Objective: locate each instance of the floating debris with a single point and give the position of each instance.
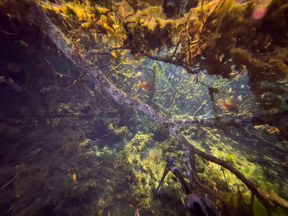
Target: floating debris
(74, 178)
(145, 86)
(273, 130)
(23, 43)
(240, 98)
(227, 105)
(138, 75)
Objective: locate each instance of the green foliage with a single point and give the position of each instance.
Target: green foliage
(146, 158)
(118, 131)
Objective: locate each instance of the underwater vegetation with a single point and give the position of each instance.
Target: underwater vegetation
(96, 95)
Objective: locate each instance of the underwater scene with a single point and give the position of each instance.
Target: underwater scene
(143, 107)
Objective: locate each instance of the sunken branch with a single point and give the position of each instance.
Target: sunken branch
(266, 197)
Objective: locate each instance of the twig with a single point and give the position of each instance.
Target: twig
(176, 48)
(174, 99)
(199, 108)
(9, 182)
(53, 68)
(7, 33)
(171, 61)
(82, 75)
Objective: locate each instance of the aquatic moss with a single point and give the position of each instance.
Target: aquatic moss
(118, 131)
(145, 156)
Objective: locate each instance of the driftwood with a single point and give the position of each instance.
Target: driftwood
(62, 43)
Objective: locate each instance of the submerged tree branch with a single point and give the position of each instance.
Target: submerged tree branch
(62, 43)
(266, 197)
(270, 119)
(60, 40)
(171, 61)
